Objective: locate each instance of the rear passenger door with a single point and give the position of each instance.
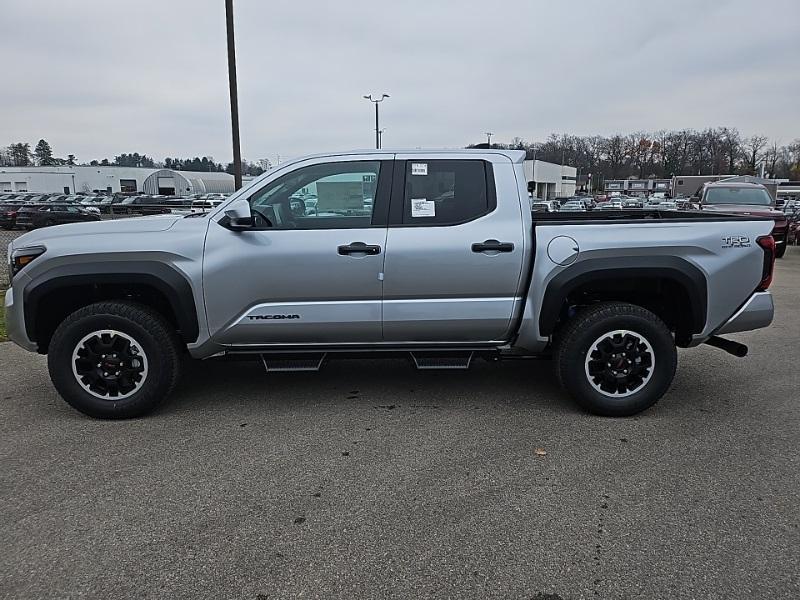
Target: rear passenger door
(454, 255)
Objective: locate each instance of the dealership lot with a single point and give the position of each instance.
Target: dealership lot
(374, 480)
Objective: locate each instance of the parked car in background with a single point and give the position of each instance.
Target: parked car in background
(573, 206)
(201, 206)
(793, 232)
(746, 199)
(633, 203)
(613, 204)
(8, 213)
(33, 216)
(542, 206)
(141, 205)
(668, 205)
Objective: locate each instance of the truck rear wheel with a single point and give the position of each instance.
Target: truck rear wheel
(616, 359)
(114, 360)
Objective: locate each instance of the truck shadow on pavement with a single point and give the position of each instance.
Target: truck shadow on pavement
(384, 384)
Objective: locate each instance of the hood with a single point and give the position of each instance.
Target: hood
(129, 225)
(757, 210)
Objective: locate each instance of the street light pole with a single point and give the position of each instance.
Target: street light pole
(377, 101)
(489, 135)
(237, 152)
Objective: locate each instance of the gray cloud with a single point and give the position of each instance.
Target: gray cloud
(98, 78)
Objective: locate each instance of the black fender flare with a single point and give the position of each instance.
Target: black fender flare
(163, 277)
(672, 268)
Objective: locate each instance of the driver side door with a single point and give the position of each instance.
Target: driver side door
(310, 272)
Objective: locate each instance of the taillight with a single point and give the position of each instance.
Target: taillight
(767, 243)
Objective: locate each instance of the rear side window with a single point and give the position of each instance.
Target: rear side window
(445, 192)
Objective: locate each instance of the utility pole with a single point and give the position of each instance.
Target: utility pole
(237, 152)
(489, 135)
(377, 101)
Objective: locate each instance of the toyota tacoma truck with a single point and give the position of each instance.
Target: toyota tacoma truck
(434, 255)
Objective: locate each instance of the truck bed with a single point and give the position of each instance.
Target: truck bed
(598, 217)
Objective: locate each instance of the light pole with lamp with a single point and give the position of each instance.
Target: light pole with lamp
(377, 101)
(489, 135)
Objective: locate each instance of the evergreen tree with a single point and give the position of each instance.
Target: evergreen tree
(20, 154)
(43, 153)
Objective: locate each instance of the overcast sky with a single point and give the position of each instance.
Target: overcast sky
(97, 78)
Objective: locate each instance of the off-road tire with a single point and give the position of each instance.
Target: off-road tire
(579, 334)
(153, 334)
(780, 250)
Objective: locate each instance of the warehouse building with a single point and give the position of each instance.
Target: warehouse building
(72, 180)
(549, 180)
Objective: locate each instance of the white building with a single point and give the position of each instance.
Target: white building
(548, 180)
(70, 180)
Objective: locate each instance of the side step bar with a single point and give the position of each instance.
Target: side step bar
(425, 361)
(275, 363)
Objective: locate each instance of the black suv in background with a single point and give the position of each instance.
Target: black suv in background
(33, 216)
(142, 205)
(8, 213)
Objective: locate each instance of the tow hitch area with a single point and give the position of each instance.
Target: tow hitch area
(729, 346)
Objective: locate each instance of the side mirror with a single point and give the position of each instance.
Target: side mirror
(236, 223)
(237, 216)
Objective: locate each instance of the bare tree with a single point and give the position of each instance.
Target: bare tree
(753, 147)
(771, 157)
(731, 148)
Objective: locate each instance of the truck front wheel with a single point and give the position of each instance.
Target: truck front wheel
(114, 360)
(616, 359)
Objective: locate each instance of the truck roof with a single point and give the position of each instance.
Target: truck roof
(735, 184)
(515, 156)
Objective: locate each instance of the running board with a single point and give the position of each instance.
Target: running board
(298, 362)
(425, 361)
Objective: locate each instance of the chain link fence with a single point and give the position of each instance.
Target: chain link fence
(5, 239)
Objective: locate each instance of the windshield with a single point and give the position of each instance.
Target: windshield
(735, 195)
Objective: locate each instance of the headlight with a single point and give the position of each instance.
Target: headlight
(21, 257)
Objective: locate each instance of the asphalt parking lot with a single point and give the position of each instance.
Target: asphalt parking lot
(371, 480)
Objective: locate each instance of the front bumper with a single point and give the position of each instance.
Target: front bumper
(756, 313)
(15, 322)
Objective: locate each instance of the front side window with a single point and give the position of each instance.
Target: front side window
(339, 195)
(445, 192)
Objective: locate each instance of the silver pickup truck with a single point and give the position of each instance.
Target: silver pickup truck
(435, 255)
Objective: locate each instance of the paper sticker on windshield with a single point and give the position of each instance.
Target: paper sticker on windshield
(419, 168)
(422, 207)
